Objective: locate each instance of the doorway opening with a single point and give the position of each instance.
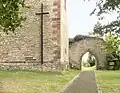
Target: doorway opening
(88, 61)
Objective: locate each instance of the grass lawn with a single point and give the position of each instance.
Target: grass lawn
(109, 81)
(34, 81)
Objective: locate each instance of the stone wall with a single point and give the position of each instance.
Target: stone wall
(64, 34)
(30, 66)
(25, 46)
(79, 46)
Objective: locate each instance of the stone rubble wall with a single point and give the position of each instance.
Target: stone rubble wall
(89, 44)
(30, 66)
(25, 45)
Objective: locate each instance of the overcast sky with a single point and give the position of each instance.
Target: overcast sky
(79, 20)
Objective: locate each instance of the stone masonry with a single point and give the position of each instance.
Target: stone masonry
(22, 51)
(82, 44)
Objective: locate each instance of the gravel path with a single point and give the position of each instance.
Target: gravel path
(85, 82)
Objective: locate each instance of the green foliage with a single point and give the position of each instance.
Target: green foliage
(107, 7)
(91, 60)
(112, 44)
(10, 17)
(86, 64)
(98, 30)
(101, 30)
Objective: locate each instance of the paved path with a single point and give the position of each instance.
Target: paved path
(85, 82)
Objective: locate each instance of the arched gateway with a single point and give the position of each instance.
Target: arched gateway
(82, 44)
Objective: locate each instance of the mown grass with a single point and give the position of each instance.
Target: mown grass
(34, 81)
(51, 82)
(109, 81)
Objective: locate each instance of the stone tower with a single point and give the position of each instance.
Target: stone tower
(23, 50)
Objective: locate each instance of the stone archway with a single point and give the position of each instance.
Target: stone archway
(83, 60)
(82, 44)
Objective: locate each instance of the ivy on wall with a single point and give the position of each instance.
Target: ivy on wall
(10, 15)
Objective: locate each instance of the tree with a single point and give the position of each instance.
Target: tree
(91, 59)
(112, 46)
(107, 7)
(10, 17)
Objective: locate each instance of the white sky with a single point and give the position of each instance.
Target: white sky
(79, 20)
